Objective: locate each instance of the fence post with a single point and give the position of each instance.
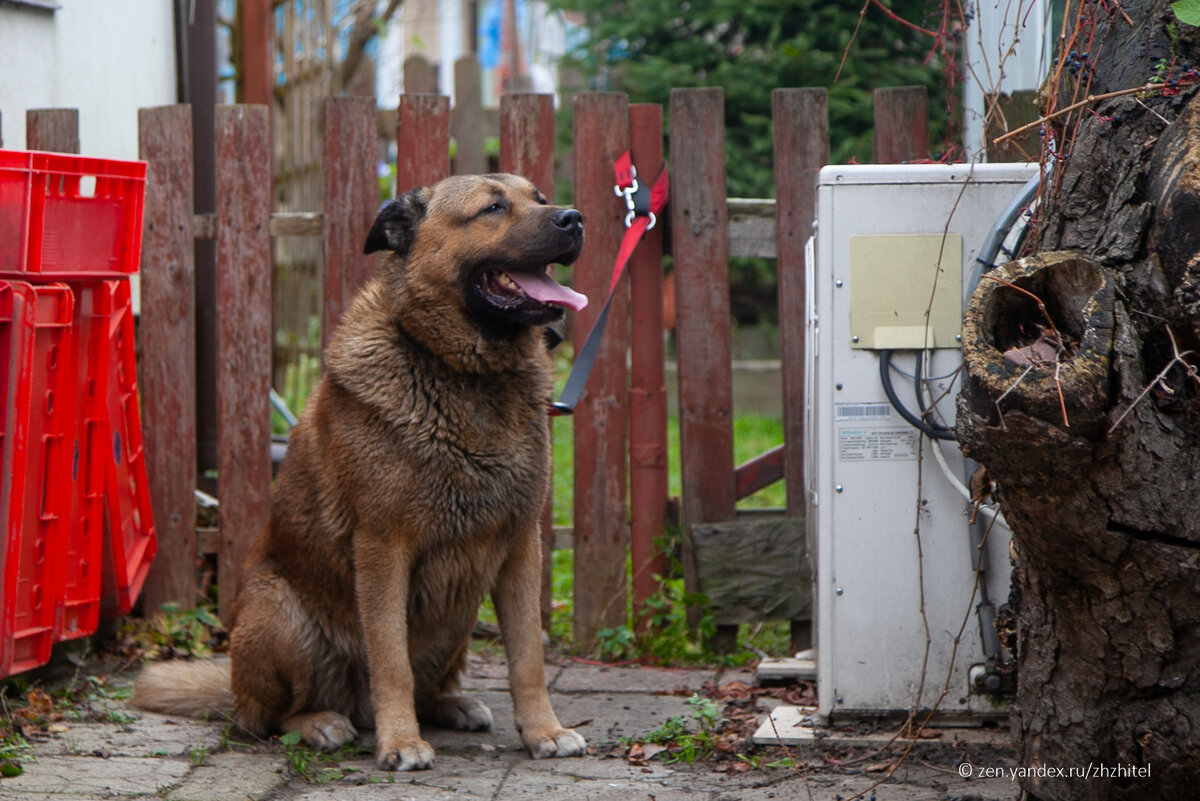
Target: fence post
(422, 141)
(244, 335)
(418, 76)
(527, 148)
(601, 136)
(466, 119)
(801, 121)
(168, 357)
(351, 200)
(901, 124)
(647, 392)
(55, 129)
(699, 234)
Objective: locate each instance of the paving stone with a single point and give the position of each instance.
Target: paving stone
(593, 678)
(144, 735)
(231, 776)
(72, 776)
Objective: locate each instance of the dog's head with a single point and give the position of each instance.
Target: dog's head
(477, 249)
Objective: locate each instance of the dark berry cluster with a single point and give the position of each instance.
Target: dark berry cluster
(1076, 63)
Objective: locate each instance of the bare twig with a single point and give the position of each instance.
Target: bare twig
(1149, 87)
(1004, 395)
(1178, 357)
(846, 53)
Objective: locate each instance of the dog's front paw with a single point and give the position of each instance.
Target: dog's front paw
(558, 742)
(413, 754)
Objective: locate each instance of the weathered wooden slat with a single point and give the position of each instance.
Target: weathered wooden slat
(1017, 110)
(901, 124)
(244, 335)
(751, 228)
(699, 229)
(801, 123)
(527, 148)
(601, 533)
(527, 138)
(168, 352)
(761, 471)
(466, 118)
(256, 26)
(754, 569)
(351, 200)
(418, 76)
(54, 129)
(422, 141)
(751, 225)
(647, 391)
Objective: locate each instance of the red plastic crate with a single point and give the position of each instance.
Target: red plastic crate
(38, 509)
(132, 538)
(69, 217)
(94, 306)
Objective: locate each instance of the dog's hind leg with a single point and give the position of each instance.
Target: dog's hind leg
(448, 708)
(279, 683)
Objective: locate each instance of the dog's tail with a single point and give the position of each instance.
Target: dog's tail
(193, 689)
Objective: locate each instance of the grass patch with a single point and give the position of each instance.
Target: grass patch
(753, 435)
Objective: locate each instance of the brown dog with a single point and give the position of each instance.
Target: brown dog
(412, 487)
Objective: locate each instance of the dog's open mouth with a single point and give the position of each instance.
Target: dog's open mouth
(512, 289)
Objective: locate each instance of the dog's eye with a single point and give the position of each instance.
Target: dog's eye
(496, 207)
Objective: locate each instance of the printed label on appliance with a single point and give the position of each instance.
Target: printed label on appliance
(877, 444)
(862, 411)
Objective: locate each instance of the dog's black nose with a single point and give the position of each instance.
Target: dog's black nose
(568, 220)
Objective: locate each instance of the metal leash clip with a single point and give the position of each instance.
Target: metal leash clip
(637, 201)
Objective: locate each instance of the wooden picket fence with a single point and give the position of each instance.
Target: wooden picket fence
(620, 425)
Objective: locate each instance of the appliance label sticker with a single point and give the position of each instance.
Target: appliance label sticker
(877, 444)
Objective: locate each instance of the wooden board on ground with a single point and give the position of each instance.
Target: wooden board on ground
(754, 569)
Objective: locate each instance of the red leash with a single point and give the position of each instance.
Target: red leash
(643, 205)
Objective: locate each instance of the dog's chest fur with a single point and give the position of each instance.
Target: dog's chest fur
(469, 450)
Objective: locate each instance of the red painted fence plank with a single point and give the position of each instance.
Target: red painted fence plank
(901, 124)
(244, 334)
(422, 141)
(601, 536)
(699, 231)
(351, 201)
(648, 392)
(527, 148)
(55, 129)
(527, 138)
(168, 353)
(801, 121)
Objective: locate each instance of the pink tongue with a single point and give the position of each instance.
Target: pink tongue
(542, 287)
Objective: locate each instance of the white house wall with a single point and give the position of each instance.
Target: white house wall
(107, 58)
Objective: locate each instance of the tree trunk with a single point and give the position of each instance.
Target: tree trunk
(1095, 444)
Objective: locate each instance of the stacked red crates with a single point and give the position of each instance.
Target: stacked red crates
(75, 520)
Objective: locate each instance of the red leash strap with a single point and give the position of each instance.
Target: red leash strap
(643, 206)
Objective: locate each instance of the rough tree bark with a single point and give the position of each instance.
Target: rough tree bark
(1105, 505)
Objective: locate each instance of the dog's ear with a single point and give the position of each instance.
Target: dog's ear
(396, 225)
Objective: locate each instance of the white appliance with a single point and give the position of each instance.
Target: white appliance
(892, 242)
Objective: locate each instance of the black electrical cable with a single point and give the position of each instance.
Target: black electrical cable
(885, 378)
(918, 380)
